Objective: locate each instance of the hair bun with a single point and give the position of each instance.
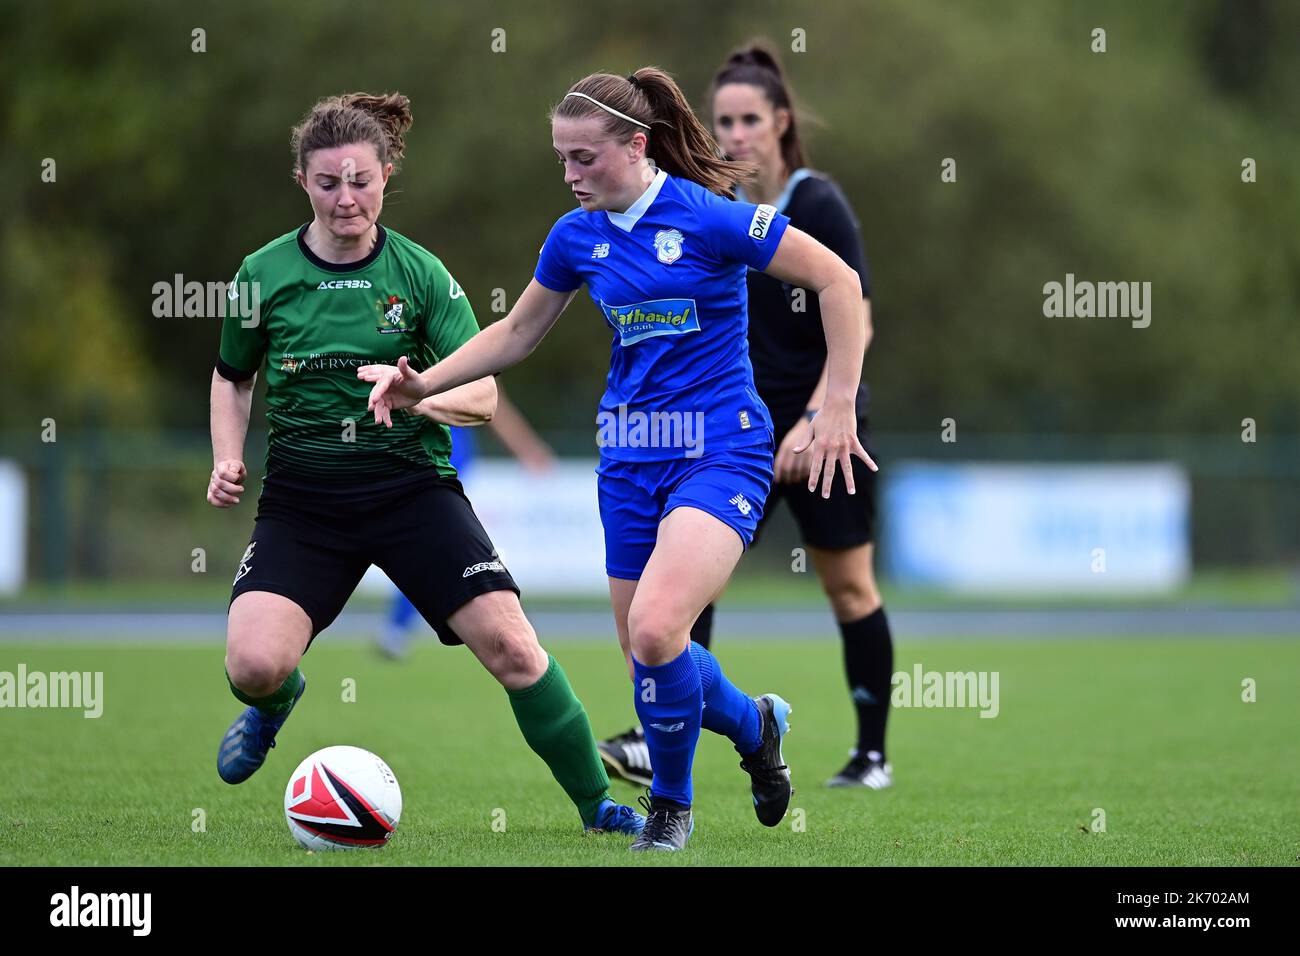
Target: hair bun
(756, 54)
(392, 110)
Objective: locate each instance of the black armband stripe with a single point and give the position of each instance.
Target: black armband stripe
(232, 374)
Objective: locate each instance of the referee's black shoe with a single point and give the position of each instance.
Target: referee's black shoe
(627, 757)
(769, 776)
(867, 770)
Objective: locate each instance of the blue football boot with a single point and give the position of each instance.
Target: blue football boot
(616, 818)
(244, 747)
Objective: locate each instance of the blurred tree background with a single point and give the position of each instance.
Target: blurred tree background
(1122, 166)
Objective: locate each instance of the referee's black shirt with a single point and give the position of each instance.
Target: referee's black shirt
(787, 347)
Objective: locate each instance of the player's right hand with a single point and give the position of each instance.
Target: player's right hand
(395, 388)
(227, 483)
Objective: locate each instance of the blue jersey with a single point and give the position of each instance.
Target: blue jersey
(462, 448)
(668, 274)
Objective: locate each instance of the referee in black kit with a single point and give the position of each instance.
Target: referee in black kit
(754, 121)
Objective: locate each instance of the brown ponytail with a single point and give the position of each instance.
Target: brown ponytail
(756, 63)
(678, 142)
(352, 118)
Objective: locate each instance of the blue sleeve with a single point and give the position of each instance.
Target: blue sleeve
(553, 268)
(744, 232)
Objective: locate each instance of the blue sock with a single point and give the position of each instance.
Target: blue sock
(668, 702)
(400, 612)
(727, 710)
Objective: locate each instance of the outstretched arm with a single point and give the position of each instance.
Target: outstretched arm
(472, 404)
(492, 350)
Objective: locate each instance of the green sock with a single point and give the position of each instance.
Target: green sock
(277, 703)
(555, 725)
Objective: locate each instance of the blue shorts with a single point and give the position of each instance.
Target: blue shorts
(635, 496)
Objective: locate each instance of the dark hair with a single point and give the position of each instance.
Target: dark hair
(351, 118)
(677, 141)
(756, 63)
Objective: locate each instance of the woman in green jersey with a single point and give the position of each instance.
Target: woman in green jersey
(342, 492)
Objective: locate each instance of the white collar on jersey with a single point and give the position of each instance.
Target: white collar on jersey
(629, 217)
(783, 200)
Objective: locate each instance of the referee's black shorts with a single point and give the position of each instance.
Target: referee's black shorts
(314, 549)
(839, 522)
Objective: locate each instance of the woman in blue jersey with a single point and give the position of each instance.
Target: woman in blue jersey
(755, 121)
(686, 444)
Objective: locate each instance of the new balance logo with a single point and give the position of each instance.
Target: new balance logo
(600, 250)
(741, 504)
(669, 728)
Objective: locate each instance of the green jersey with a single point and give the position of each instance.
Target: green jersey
(315, 323)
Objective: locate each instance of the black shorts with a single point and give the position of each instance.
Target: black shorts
(314, 549)
(839, 522)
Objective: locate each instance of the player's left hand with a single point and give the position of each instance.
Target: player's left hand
(834, 439)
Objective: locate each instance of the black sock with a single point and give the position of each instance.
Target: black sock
(702, 629)
(869, 665)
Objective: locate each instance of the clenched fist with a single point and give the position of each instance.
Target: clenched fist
(227, 483)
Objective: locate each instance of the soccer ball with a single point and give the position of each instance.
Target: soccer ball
(342, 798)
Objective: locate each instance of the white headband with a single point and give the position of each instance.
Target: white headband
(608, 109)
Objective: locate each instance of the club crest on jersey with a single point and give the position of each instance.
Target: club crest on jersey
(668, 245)
(394, 315)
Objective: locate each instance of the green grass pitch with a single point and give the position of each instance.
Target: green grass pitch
(1152, 731)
